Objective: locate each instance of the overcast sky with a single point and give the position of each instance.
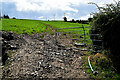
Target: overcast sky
(48, 9)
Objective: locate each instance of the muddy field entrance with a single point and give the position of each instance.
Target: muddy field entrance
(44, 55)
(38, 56)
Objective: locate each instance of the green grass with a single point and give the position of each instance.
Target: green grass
(22, 26)
(102, 65)
(62, 24)
(36, 26)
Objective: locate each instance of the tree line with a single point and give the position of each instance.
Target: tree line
(78, 21)
(7, 17)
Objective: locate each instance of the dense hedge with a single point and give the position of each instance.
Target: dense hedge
(107, 23)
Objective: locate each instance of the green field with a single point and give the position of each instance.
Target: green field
(22, 26)
(61, 24)
(37, 26)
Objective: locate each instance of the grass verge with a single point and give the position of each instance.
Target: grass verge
(102, 65)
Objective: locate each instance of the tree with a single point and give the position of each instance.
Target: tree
(77, 21)
(89, 19)
(6, 16)
(73, 20)
(65, 19)
(14, 18)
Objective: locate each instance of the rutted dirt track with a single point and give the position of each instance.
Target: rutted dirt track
(40, 57)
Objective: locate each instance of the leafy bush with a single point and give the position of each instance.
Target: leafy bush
(65, 19)
(107, 23)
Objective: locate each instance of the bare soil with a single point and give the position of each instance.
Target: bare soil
(34, 56)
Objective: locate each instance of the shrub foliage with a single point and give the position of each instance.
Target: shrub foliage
(107, 23)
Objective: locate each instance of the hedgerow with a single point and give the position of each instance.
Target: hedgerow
(107, 23)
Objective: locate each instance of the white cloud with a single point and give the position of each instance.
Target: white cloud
(44, 5)
(47, 5)
(85, 17)
(46, 8)
(41, 17)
